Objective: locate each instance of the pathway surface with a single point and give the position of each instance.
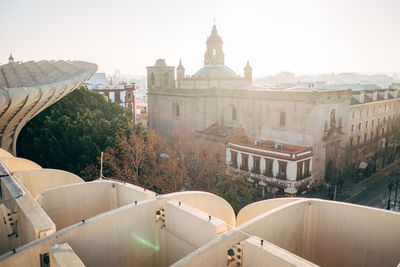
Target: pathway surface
(372, 192)
(375, 191)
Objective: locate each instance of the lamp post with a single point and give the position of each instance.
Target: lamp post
(390, 187)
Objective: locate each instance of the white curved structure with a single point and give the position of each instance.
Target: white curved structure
(28, 88)
(58, 218)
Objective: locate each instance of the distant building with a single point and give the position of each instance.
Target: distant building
(97, 80)
(122, 94)
(216, 103)
(274, 165)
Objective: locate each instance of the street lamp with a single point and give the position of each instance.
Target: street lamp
(390, 187)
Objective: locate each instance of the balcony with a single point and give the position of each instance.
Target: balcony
(270, 179)
(244, 168)
(256, 171)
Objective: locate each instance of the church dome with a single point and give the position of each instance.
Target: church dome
(215, 71)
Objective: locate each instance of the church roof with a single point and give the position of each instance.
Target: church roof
(214, 34)
(217, 71)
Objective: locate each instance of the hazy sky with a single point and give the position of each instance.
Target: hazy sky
(301, 36)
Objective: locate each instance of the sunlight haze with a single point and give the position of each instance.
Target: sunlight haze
(304, 37)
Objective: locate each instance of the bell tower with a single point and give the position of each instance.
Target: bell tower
(214, 54)
(160, 76)
(11, 59)
(180, 73)
(248, 72)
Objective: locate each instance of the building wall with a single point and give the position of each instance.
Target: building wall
(371, 113)
(291, 169)
(257, 112)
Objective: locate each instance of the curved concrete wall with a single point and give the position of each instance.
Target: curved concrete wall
(5, 154)
(72, 203)
(36, 181)
(208, 203)
(255, 209)
(28, 88)
(323, 232)
(16, 164)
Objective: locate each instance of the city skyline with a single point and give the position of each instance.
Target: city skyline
(303, 37)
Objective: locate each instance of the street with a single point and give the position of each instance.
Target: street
(376, 192)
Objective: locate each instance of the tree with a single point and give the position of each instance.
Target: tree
(177, 163)
(70, 134)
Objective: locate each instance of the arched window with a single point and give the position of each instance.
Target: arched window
(152, 79)
(166, 79)
(282, 119)
(332, 121)
(175, 110)
(233, 113)
(129, 96)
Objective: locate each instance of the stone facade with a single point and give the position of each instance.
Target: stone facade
(216, 98)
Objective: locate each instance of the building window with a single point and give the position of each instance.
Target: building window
(351, 141)
(383, 131)
(372, 123)
(368, 112)
(379, 121)
(282, 119)
(365, 138)
(152, 79)
(234, 158)
(307, 168)
(268, 167)
(359, 126)
(384, 119)
(372, 135)
(245, 162)
(129, 96)
(358, 140)
(299, 170)
(256, 164)
(282, 169)
(233, 113)
(175, 110)
(166, 79)
(117, 97)
(333, 118)
(352, 128)
(366, 124)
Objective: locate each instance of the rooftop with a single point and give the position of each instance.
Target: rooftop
(110, 223)
(216, 71)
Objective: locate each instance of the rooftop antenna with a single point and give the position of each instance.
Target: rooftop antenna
(214, 20)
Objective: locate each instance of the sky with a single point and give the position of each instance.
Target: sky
(300, 36)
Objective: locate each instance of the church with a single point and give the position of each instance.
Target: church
(282, 139)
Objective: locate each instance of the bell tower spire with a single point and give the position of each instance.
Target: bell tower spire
(11, 59)
(214, 54)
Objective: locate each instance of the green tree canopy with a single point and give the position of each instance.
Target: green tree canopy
(70, 134)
